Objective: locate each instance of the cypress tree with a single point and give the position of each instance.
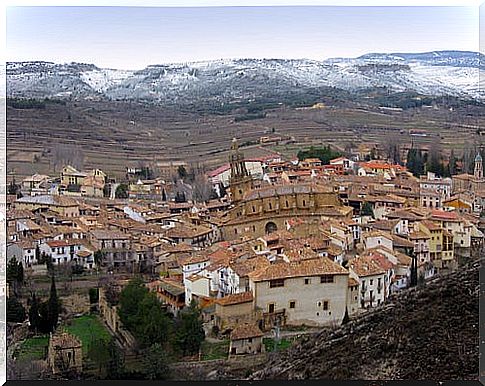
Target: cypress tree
(53, 306)
(34, 316)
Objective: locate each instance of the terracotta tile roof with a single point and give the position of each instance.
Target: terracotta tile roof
(197, 258)
(63, 243)
(243, 297)
(243, 268)
(219, 170)
(444, 215)
(398, 241)
(245, 331)
(102, 234)
(187, 231)
(313, 267)
(386, 225)
(364, 266)
(418, 235)
(431, 225)
(380, 259)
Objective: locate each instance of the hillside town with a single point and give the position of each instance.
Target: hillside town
(257, 246)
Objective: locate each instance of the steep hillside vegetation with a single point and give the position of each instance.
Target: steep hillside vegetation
(427, 333)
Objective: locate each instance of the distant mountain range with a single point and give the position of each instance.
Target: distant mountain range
(438, 73)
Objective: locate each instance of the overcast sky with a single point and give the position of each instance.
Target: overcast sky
(132, 38)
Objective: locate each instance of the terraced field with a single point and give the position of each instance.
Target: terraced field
(113, 135)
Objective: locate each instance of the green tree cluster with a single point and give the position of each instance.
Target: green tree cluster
(367, 209)
(121, 191)
(324, 154)
(15, 310)
(15, 275)
(156, 330)
(415, 162)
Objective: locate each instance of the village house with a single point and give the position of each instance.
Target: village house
(197, 236)
(346, 163)
(373, 281)
(442, 186)
(115, 246)
(376, 239)
(421, 245)
(171, 293)
(246, 339)
(23, 251)
(196, 287)
(67, 252)
(232, 310)
(36, 185)
(64, 206)
(311, 292)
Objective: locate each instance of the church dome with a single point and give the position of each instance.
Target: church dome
(478, 158)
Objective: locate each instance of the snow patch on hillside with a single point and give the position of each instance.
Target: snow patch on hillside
(101, 80)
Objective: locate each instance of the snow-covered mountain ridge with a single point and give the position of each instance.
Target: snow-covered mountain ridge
(454, 73)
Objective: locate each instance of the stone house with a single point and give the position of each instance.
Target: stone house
(64, 206)
(246, 339)
(234, 309)
(65, 353)
(116, 247)
(311, 292)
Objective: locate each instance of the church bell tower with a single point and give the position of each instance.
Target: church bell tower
(478, 172)
(240, 181)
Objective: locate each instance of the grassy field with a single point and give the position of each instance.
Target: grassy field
(88, 328)
(269, 344)
(212, 350)
(33, 348)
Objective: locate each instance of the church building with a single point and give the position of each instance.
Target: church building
(263, 210)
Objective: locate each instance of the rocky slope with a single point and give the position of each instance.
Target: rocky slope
(429, 333)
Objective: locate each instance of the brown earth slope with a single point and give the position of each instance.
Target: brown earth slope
(428, 333)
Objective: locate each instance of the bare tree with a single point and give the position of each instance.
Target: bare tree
(391, 148)
(62, 154)
(202, 188)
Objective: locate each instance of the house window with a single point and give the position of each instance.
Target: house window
(250, 340)
(325, 305)
(270, 206)
(326, 279)
(271, 307)
(292, 304)
(276, 283)
(371, 281)
(307, 281)
(319, 304)
(254, 209)
(304, 203)
(287, 205)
